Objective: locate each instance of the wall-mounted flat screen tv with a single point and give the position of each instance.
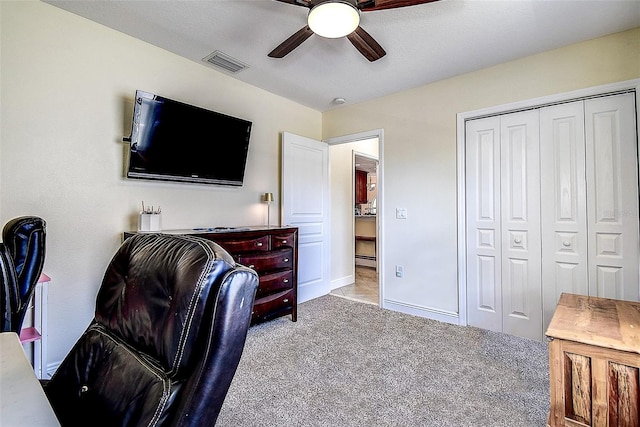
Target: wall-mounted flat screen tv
(174, 141)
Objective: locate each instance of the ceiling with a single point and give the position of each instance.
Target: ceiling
(424, 43)
(366, 163)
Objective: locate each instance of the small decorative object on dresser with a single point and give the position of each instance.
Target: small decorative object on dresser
(594, 358)
(268, 199)
(272, 252)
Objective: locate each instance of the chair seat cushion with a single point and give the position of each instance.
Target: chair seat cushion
(129, 391)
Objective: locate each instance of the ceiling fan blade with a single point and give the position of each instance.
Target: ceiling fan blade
(369, 5)
(291, 43)
(305, 3)
(366, 45)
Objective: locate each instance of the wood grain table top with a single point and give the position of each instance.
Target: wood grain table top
(602, 322)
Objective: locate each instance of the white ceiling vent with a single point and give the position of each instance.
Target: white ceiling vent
(225, 62)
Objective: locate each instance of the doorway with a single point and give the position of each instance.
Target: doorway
(365, 286)
(356, 227)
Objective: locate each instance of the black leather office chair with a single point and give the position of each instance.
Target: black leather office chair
(22, 253)
(170, 324)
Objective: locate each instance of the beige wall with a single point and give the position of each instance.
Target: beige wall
(67, 88)
(419, 157)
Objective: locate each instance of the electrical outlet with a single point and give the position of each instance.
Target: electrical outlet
(399, 271)
(401, 213)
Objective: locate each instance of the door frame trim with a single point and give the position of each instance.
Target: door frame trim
(461, 119)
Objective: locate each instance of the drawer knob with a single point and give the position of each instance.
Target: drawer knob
(566, 243)
(284, 241)
(285, 300)
(286, 280)
(286, 260)
(259, 244)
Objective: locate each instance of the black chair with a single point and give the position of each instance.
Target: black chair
(22, 253)
(170, 324)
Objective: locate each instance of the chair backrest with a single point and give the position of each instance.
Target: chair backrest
(170, 324)
(21, 261)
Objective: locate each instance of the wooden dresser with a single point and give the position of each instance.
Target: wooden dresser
(594, 362)
(272, 253)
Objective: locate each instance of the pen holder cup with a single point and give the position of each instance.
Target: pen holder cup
(149, 222)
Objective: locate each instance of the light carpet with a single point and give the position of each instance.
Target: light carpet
(345, 363)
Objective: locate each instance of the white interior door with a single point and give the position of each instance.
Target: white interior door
(520, 228)
(305, 205)
(503, 224)
(612, 204)
(563, 204)
(484, 245)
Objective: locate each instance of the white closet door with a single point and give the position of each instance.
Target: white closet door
(484, 291)
(563, 204)
(612, 202)
(520, 228)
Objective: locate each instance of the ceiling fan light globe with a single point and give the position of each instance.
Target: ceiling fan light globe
(333, 19)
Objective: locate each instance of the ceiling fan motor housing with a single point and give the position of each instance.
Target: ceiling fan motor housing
(334, 18)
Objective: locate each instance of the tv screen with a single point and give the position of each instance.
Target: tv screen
(174, 141)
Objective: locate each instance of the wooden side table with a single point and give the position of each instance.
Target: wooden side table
(594, 362)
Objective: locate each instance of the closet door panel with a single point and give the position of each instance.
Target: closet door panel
(484, 292)
(562, 204)
(520, 228)
(612, 182)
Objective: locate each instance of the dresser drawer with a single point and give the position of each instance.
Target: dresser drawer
(273, 305)
(283, 240)
(263, 262)
(274, 282)
(245, 245)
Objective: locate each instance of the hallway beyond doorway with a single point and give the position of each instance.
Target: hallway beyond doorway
(365, 289)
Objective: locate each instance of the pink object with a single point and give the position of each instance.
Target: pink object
(29, 335)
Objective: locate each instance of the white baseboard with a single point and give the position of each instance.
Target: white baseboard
(343, 281)
(427, 312)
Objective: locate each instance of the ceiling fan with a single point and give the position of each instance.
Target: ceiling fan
(339, 18)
